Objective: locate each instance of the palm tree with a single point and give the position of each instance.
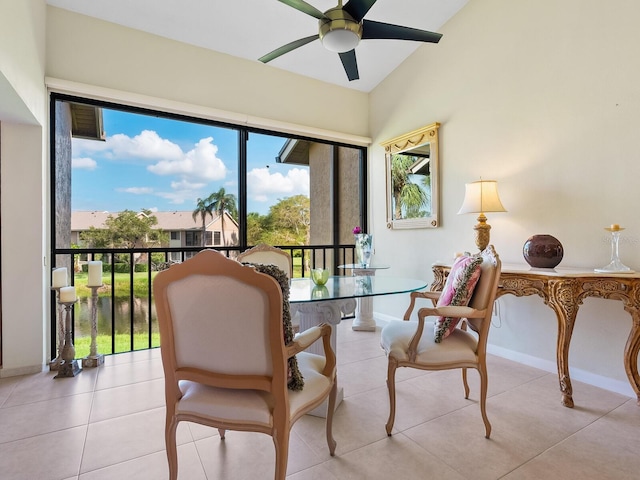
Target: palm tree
(203, 208)
(406, 194)
(220, 203)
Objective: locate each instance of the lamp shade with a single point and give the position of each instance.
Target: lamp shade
(480, 197)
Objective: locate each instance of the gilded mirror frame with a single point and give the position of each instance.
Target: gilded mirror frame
(420, 140)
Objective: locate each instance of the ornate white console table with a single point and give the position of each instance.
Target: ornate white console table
(563, 289)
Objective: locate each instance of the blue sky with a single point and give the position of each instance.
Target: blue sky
(165, 165)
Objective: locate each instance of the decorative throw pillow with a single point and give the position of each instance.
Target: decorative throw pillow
(295, 381)
(457, 291)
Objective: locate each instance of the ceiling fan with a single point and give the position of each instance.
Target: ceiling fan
(342, 28)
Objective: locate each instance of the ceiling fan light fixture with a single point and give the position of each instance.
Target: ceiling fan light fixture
(340, 41)
(338, 31)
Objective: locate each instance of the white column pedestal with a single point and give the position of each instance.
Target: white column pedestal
(314, 313)
(363, 321)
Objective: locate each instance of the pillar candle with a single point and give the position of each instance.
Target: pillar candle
(67, 294)
(95, 274)
(59, 277)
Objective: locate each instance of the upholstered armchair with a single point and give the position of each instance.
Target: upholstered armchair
(264, 254)
(446, 343)
(225, 360)
(268, 255)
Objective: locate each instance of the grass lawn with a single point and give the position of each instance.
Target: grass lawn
(103, 343)
(121, 281)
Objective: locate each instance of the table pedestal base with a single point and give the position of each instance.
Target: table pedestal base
(315, 313)
(363, 321)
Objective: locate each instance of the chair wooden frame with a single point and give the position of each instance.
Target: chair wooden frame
(279, 411)
(477, 316)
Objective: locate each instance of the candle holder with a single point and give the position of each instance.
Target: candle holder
(55, 363)
(615, 266)
(69, 366)
(93, 359)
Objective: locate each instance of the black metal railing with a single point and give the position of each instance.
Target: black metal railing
(125, 312)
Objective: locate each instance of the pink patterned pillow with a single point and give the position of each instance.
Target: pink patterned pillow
(457, 291)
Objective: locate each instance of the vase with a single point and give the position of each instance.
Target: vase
(319, 276)
(364, 244)
(543, 251)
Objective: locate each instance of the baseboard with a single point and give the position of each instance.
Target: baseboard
(14, 372)
(579, 375)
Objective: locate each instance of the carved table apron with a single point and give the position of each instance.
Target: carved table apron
(564, 289)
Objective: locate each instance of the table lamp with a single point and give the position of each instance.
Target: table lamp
(480, 197)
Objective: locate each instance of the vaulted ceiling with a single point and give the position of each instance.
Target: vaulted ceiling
(252, 28)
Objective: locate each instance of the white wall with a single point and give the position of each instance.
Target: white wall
(22, 61)
(23, 175)
(543, 97)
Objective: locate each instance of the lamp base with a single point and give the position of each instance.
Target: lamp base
(482, 229)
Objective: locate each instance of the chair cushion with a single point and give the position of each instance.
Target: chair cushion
(295, 378)
(457, 291)
(396, 336)
(252, 406)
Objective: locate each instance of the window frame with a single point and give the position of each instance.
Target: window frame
(243, 137)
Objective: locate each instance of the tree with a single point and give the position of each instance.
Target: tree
(407, 196)
(222, 202)
(203, 208)
(128, 229)
(256, 224)
(289, 220)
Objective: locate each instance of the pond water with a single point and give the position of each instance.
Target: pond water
(122, 316)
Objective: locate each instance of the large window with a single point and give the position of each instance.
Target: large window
(204, 182)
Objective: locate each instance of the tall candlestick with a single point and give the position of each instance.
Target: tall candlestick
(69, 366)
(94, 359)
(55, 363)
(95, 274)
(67, 294)
(59, 277)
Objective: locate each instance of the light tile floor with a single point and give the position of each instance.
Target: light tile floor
(108, 423)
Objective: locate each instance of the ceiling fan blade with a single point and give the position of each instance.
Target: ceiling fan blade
(350, 65)
(304, 7)
(358, 8)
(287, 48)
(378, 30)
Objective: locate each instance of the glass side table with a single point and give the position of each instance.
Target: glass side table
(363, 321)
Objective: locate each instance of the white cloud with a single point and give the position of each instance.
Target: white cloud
(178, 196)
(84, 163)
(147, 146)
(192, 170)
(186, 185)
(261, 183)
(83, 146)
(136, 190)
(183, 191)
(200, 163)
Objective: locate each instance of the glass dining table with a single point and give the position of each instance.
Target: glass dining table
(338, 297)
(328, 303)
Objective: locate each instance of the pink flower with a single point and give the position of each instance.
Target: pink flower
(357, 230)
